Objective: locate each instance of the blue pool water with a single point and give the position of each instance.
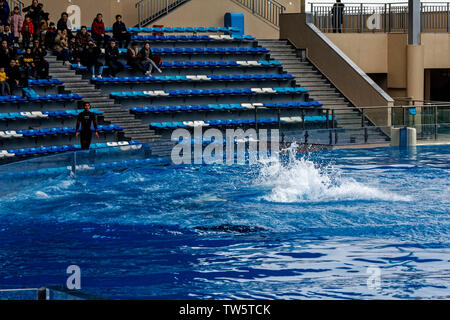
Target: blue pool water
(321, 226)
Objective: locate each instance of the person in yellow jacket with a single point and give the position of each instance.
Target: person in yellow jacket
(5, 90)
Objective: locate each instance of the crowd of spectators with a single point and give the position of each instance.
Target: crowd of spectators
(26, 38)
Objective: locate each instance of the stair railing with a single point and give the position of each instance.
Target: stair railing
(16, 3)
(269, 10)
(149, 10)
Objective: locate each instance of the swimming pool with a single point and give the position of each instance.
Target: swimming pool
(336, 224)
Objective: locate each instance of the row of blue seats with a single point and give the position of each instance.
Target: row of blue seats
(220, 64)
(42, 98)
(207, 92)
(44, 82)
(204, 64)
(174, 29)
(222, 107)
(234, 122)
(191, 38)
(44, 114)
(257, 50)
(63, 148)
(225, 77)
(210, 50)
(54, 131)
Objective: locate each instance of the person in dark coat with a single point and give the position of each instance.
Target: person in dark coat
(134, 58)
(112, 59)
(14, 75)
(33, 11)
(337, 18)
(27, 63)
(120, 32)
(7, 35)
(85, 121)
(90, 58)
(65, 24)
(4, 12)
(50, 36)
(41, 65)
(6, 54)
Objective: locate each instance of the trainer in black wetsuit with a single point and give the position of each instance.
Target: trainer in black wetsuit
(85, 120)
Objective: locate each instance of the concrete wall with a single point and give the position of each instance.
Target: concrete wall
(208, 13)
(211, 13)
(368, 52)
(386, 53)
(89, 9)
(348, 78)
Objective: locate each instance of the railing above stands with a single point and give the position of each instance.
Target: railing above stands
(378, 17)
(269, 10)
(150, 10)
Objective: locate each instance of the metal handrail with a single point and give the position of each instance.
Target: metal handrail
(380, 17)
(150, 10)
(269, 10)
(16, 3)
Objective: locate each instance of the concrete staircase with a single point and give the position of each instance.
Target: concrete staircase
(320, 88)
(134, 129)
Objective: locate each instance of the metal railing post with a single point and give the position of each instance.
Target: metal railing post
(448, 17)
(332, 118)
(279, 119)
(361, 24)
(435, 123)
(363, 115)
(404, 117)
(167, 6)
(390, 18)
(328, 116)
(256, 119)
(303, 119)
(139, 14)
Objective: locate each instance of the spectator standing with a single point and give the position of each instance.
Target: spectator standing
(41, 65)
(6, 54)
(14, 75)
(50, 36)
(120, 32)
(16, 23)
(62, 46)
(112, 59)
(98, 31)
(4, 12)
(33, 11)
(27, 32)
(337, 18)
(90, 58)
(42, 26)
(5, 90)
(147, 60)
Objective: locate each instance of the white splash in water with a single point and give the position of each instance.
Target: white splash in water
(302, 180)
